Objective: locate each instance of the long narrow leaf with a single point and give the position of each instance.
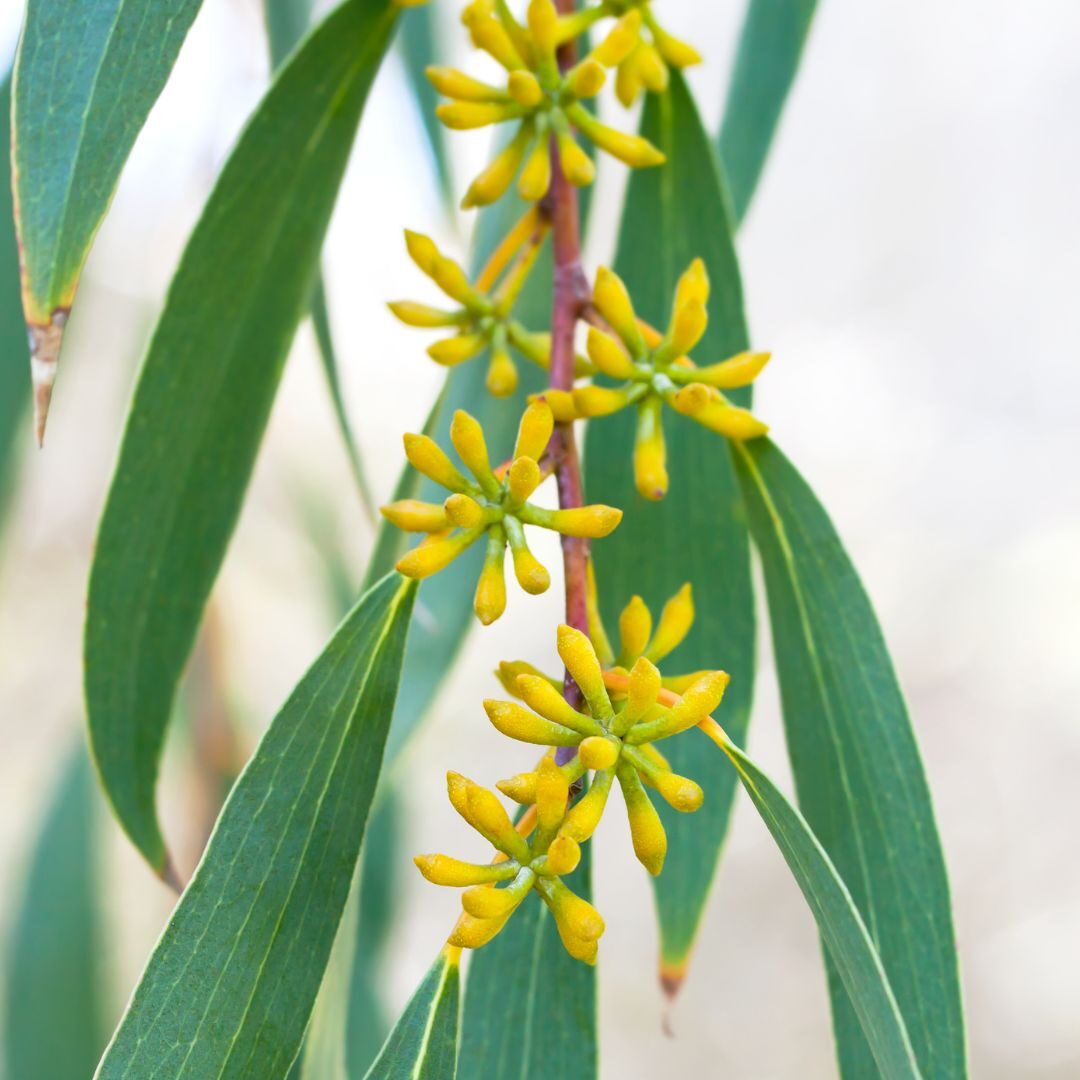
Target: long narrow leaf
(697, 533)
(55, 1006)
(85, 78)
(849, 944)
(204, 395)
(228, 990)
(769, 51)
(857, 770)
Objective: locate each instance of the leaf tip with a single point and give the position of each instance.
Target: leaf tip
(672, 977)
(170, 875)
(45, 341)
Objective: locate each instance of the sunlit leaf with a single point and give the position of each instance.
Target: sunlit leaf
(857, 770)
(698, 532)
(204, 395)
(230, 986)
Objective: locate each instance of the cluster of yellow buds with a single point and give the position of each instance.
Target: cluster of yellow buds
(655, 369)
(625, 714)
(544, 101)
(495, 505)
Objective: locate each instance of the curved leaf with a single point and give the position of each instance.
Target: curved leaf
(842, 929)
(204, 395)
(530, 1008)
(423, 1044)
(55, 1013)
(857, 770)
(85, 78)
(229, 988)
(769, 51)
(698, 532)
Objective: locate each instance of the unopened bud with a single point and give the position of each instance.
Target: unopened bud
(635, 628)
(415, 516)
(593, 522)
(518, 723)
(675, 622)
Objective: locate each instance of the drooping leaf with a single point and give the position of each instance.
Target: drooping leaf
(423, 1044)
(204, 395)
(846, 938)
(530, 1008)
(86, 77)
(54, 1027)
(231, 984)
(770, 48)
(419, 49)
(857, 770)
(698, 532)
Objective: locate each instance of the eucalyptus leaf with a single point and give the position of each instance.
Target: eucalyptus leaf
(204, 396)
(697, 533)
(766, 62)
(858, 774)
(86, 77)
(229, 988)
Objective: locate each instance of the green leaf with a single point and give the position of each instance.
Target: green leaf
(698, 532)
(423, 1044)
(230, 986)
(769, 51)
(857, 770)
(204, 395)
(842, 929)
(530, 1007)
(287, 21)
(419, 49)
(75, 123)
(55, 1005)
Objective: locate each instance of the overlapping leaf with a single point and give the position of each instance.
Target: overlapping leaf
(204, 395)
(423, 1044)
(770, 48)
(697, 533)
(858, 774)
(85, 79)
(229, 988)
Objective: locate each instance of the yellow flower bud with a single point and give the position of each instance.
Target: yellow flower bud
(493, 182)
(693, 285)
(521, 788)
(422, 250)
(502, 376)
(576, 164)
(468, 115)
(468, 438)
(646, 829)
(561, 403)
(487, 815)
(731, 421)
(647, 750)
(609, 356)
(490, 35)
(426, 456)
(534, 431)
(415, 516)
(509, 671)
(597, 401)
(576, 914)
(464, 511)
(543, 698)
(485, 902)
(679, 684)
(687, 327)
(536, 176)
(632, 150)
(651, 68)
(578, 948)
(691, 400)
(594, 522)
(628, 82)
(552, 792)
(650, 451)
(676, 52)
(642, 691)
(456, 350)
(490, 600)
(675, 622)
(741, 370)
(543, 19)
(597, 752)
(518, 723)
(454, 282)
(530, 572)
(421, 315)
(434, 554)
(679, 792)
(613, 302)
(443, 870)
(473, 933)
(579, 656)
(452, 83)
(635, 628)
(620, 41)
(583, 817)
(694, 706)
(525, 89)
(587, 78)
(523, 478)
(563, 856)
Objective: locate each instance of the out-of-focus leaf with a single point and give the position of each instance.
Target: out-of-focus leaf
(857, 770)
(287, 21)
(85, 78)
(530, 1007)
(230, 986)
(55, 1008)
(204, 395)
(854, 957)
(423, 1044)
(769, 51)
(14, 379)
(698, 532)
(420, 49)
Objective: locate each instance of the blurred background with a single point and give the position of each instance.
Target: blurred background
(912, 258)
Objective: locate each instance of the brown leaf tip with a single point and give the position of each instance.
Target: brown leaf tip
(45, 341)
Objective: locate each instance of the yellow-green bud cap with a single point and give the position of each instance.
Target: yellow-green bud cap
(552, 792)
(487, 815)
(675, 51)
(563, 856)
(579, 656)
(651, 68)
(584, 816)
(464, 511)
(415, 516)
(523, 478)
(543, 20)
(536, 176)
(456, 84)
(518, 723)
(456, 350)
(593, 522)
(578, 948)
(502, 376)
(427, 457)
(579, 917)
(649, 750)
(620, 41)
(679, 792)
(468, 115)
(693, 285)
(525, 89)
(422, 251)
(457, 791)
(576, 164)
(646, 829)
(433, 555)
(473, 933)
(691, 400)
(538, 693)
(613, 302)
(587, 79)
(521, 788)
(485, 902)
(643, 689)
(531, 574)
(687, 327)
(444, 870)
(635, 629)
(534, 431)
(490, 600)
(740, 370)
(609, 356)
(675, 622)
(598, 752)
(421, 315)
(597, 401)
(468, 438)
(509, 670)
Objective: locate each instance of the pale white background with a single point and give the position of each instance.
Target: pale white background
(912, 259)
